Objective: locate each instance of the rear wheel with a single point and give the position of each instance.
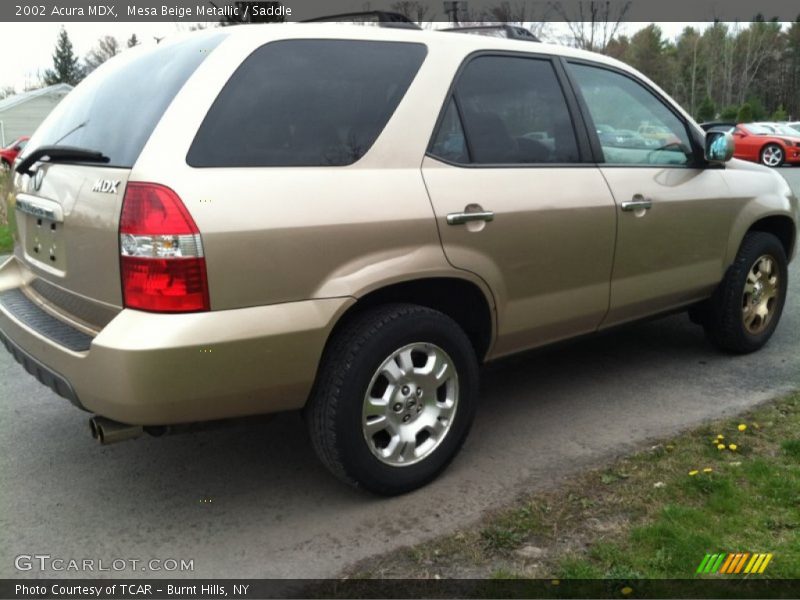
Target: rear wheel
(772, 155)
(394, 399)
(747, 305)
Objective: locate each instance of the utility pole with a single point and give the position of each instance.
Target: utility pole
(452, 8)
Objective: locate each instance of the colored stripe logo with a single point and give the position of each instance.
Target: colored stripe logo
(737, 563)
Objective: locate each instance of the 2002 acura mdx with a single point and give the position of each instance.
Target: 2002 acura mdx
(349, 220)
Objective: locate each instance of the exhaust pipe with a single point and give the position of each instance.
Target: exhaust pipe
(107, 431)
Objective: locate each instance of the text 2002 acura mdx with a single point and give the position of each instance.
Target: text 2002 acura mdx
(349, 220)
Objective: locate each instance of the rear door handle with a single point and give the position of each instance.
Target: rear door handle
(637, 202)
(466, 217)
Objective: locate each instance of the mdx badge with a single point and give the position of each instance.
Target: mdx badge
(107, 186)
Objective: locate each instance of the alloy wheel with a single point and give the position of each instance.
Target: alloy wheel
(760, 294)
(772, 156)
(410, 404)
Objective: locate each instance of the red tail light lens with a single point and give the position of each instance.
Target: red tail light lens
(162, 262)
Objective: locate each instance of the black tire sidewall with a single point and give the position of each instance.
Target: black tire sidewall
(357, 459)
(730, 324)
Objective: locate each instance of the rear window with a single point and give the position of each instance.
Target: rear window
(306, 103)
(115, 109)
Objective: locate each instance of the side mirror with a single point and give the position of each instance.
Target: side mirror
(719, 147)
(17, 148)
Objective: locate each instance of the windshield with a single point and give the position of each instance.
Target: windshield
(112, 112)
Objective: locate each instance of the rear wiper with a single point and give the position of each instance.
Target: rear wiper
(59, 153)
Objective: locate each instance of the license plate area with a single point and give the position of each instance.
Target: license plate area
(43, 241)
(42, 222)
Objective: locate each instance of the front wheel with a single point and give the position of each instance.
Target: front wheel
(772, 155)
(744, 311)
(394, 399)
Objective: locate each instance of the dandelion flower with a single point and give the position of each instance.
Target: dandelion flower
(707, 470)
(720, 436)
(742, 427)
(626, 591)
(732, 447)
(720, 446)
(693, 472)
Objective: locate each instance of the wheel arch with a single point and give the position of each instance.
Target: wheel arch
(465, 301)
(782, 227)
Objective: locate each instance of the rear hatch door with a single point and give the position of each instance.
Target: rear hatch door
(67, 213)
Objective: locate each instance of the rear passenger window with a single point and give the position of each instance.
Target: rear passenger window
(513, 112)
(306, 103)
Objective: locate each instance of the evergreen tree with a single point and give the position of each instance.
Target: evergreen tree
(707, 110)
(66, 68)
(745, 114)
(779, 114)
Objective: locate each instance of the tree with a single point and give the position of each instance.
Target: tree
(651, 54)
(729, 113)
(745, 113)
(757, 108)
(133, 41)
(6, 91)
(594, 24)
(107, 47)
(66, 68)
(707, 110)
(505, 12)
(413, 10)
(780, 114)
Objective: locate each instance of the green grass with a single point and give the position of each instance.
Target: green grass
(6, 241)
(645, 516)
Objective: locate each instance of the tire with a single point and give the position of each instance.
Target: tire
(733, 305)
(337, 411)
(772, 155)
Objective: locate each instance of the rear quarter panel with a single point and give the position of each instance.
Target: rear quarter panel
(278, 234)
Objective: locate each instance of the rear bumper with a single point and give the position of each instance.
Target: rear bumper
(157, 369)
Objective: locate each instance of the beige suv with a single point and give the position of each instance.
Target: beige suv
(350, 220)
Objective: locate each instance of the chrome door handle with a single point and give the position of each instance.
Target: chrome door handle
(637, 202)
(466, 217)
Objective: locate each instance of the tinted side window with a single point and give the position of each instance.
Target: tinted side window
(514, 111)
(645, 131)
(306, 103)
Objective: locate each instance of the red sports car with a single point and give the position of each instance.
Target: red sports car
(9, 153)
(765, 144)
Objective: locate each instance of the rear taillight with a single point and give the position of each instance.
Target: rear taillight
(162, 262)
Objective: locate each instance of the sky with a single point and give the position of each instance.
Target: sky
(37, 41)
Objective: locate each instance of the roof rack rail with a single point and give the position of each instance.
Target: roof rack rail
(380, 17)
(512, 32)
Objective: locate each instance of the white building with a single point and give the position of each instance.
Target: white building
(22, 113)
